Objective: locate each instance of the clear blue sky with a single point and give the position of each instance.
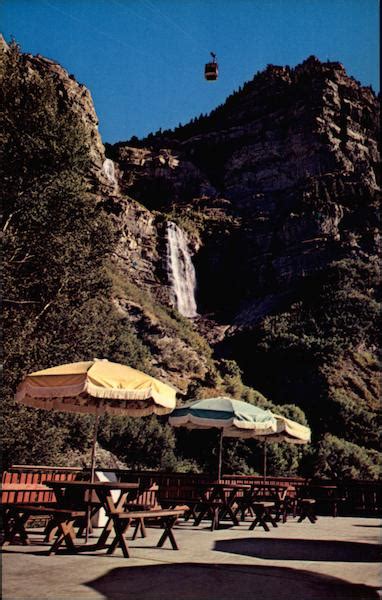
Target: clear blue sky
(143, 59)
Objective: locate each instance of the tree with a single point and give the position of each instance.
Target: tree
(338, 459)
(57, 240)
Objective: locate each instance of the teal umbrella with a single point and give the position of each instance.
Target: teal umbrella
(234, 418)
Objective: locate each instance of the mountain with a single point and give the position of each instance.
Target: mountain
(278, 189)
(291, 161)
(269, 204)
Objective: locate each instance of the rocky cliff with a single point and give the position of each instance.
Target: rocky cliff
(272, 188)
(291, 163)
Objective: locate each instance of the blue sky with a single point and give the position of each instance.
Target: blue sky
(143, 60)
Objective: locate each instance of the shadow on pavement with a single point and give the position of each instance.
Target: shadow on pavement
(297, 549)
(198, 581)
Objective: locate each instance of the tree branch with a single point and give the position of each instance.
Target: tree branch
(20, 301)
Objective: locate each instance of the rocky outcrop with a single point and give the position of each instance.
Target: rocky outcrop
(295, 155)
(75, 95)
(158, 178)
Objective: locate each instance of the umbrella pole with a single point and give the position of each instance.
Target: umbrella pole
(92, 470)
(264, 461)
(220, 454)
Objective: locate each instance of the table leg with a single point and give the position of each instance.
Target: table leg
(262, 513)
(201, 515)
(18, 527)
(228, 509)
(105, 533)
(140, 526)
(65, 534)
(120, 529)
(168, 524)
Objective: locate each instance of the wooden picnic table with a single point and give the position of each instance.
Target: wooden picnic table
(13, 495)
(74, 494)
(85, 495)
(263, 499)
(216, 500)
(323, 494)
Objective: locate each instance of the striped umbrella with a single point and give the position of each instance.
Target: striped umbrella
(234, 418)
(96, 387)
(287, 431)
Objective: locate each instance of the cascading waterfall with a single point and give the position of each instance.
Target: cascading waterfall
(181, 271)
(109, 171)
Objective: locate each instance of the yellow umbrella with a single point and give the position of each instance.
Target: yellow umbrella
(97, 387)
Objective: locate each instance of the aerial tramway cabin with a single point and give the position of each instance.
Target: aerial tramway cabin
(211, 69)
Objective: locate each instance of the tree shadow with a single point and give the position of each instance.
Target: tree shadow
(198, 581)
(297, 549)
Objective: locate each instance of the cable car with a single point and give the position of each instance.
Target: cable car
(211, 69)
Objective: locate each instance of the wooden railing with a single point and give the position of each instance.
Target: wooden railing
(33, 476)
(356, 496)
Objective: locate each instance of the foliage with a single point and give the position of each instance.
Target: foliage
(140, 443)
(340, 309)
(338, 459)
(167, 317)
(313, 354)
(57, 293)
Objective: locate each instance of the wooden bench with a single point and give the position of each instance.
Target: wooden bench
(61, 523)
(122, 520)
(307, 509)
(263, 514)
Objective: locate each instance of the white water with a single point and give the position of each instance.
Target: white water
(109, 170)
(181, 271)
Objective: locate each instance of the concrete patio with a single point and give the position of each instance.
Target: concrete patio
(334, 558)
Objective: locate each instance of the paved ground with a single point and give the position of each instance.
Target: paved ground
(335, 558)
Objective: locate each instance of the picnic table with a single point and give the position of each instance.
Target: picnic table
(217, 500)
(14, 495)
(73, 499)
(261, 500)
(324, 494)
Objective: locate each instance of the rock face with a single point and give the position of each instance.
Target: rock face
(295, 155)
(271, 187)
(78, 97)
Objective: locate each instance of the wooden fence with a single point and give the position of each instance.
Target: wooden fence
(361, 497)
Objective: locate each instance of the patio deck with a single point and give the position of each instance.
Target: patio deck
(334, 558)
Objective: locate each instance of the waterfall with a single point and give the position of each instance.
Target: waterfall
(181, 272)
(109, 171)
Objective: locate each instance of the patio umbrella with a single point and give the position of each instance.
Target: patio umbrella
(96, 387)
(234, 418)
(287, 431)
